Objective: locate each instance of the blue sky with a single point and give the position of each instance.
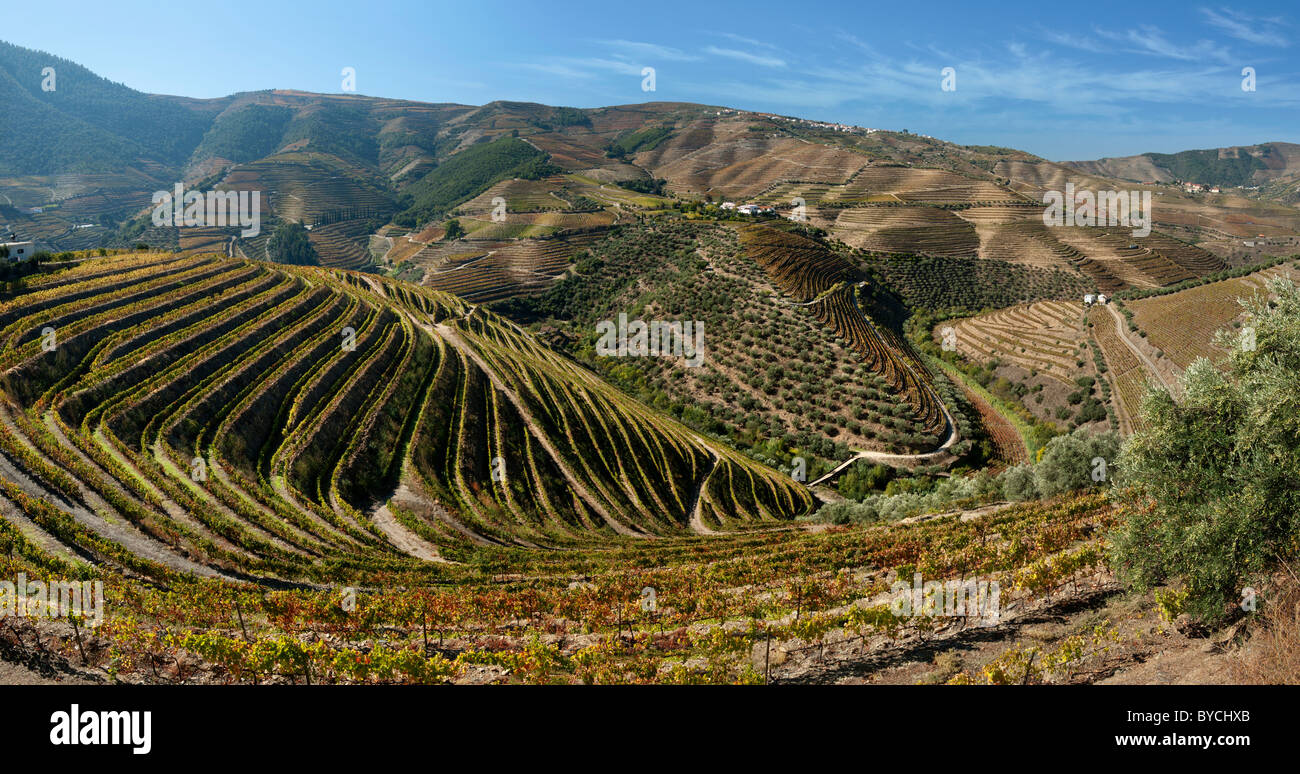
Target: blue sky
(1063, 80)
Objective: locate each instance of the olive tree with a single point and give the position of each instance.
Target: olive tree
(1212, 483)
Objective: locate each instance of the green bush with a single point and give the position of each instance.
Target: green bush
(1076, 461)
(1213, 481)
(289, 244)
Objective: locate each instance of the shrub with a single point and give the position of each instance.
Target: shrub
(1018, 483)
(1070, 462)
(1213, 482)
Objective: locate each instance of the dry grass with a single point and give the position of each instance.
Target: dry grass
(1272, 655)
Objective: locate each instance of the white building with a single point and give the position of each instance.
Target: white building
(20, 251)
(1089, 299)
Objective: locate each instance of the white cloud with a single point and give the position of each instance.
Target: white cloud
(1242, 27)
(855, 41)
(1083, 43)
(749, 41)
(1152, 41)
(553, 68)
(631, 49)
(745, 56)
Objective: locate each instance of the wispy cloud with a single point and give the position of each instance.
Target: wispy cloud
(1084, 82)
(1081, 42)
(855, 41)
(1151, 41)
(749, 41)
(1264, 32)
(745, 56)
(632, 49)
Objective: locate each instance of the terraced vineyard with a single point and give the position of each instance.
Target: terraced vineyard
(1044, 336)
(484, 271)
(773, 607)
(1124, 370)
(342, 245)
(775, 382)
(202, 240)
(926, 230)
(1182, 325)
(167, 413)
(420, 462)
(824, 281)
(972, 284)
(534, 224)
(1029, 242)
(886, 183)
(727, 157)
(1008, 445)
(306, 186)
(520, 196)
(1150, 261)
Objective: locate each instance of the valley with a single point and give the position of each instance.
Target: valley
(378, 442)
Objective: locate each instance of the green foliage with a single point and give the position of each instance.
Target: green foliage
(248, 133)
(467, 174)
(645, 185)
(639, 140)
(567, 116)
(1207, 166)
(970, 284)
(920, 497)
(1067, 466)
(289, 244)
(1070, 462)
(863, 479)
(344, 131)
(454, 230)
(1019, 484)
(87, 123)
(1213, 480)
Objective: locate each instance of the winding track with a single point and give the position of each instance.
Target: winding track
(950, 438)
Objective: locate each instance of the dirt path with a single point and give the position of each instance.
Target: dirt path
(697, 506)
(894, 459)
(1121, 330)
(17, 674)
(403, 538)
(951, 437)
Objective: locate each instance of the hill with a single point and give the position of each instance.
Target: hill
(227, 417)
(1238, 166)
